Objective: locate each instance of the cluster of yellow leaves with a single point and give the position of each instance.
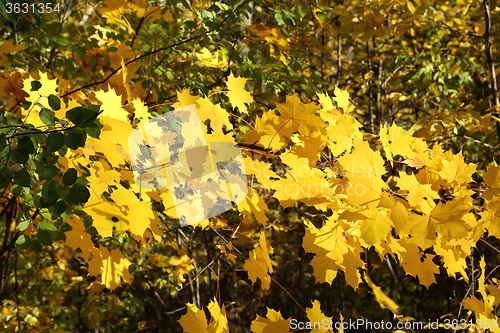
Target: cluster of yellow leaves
(272, 37)
(106, 158)
(369, 212)
(259, 264)
(115, 10)
(194, 321)
(400, 217)
(484, 308)
(274, 322)
(217, 59)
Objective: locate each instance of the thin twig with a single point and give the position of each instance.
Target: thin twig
(491, 61)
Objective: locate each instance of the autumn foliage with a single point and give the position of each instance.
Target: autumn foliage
(320, 190)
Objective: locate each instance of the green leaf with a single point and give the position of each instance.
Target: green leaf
(51, 192)
(63, 150)
(60, 40)
(55, 141)
(190, 24)
(92, 231)
(75, 138)
(78, 194)
(322, 16)
(22, 178)
(69, 177)
(47, 172)
(26, 144)
(4, 180)
(51, 29)
(47, 116)
(16, 189)
(279, 19)
(20, 156)
(23, 242)
(11, 15)
(54, 102)
(24, 221)
(35, 85)
(36, 246)
(3, 142)
(59, 208)
(93, 129)
(80, 115)
(46, 226)
(25, 104)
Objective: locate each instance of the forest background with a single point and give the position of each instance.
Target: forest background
(368, 134)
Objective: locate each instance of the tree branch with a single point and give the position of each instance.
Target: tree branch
(491, 62)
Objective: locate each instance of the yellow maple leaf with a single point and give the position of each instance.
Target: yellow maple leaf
(418, 264)
(419, 195)
(113, 141)
(302, 183)
(78, 237)
(194, 321)
(330, 237)
(114, 268)
(219, 322)
(448, 220)
(254, 205)
(491, 218)
(315, 315)
(309, 146)
(341, 133)
(449, 217)
(342, 100)
(325, 268)
(297, 116)
(8, 47)
(484, 307)
(101, 176)
(258, 265)
(374, 223)
(456, 171)
(217, 115)
(453, 258)
(114, 13)
(328, 111)
(420, 156)
(185, 98)
(474, 304)
(396, 141)
(382, 299)
(492, 179)
(399, 213)
(112, 104)
(106, 215)
(237, 94)
(183, 266)
(267, 128)
(364, 169)
(335, 250)
(141, 110)
(274, 323)
(125, 212)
